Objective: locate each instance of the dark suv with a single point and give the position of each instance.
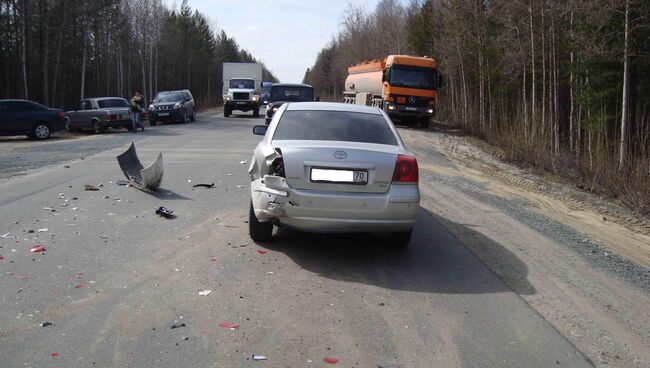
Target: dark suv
(285, 92)
(170, 106)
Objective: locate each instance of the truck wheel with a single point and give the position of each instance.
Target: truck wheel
(259, 231)
(256, 112)
(226, 112)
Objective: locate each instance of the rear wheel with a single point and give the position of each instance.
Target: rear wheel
(401, 239)
(41, 131)
(98, 128)
(259, 231)
(226, 112)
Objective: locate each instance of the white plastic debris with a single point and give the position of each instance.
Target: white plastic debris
(43, 230)
(243, 162)
(5, 236)
(259, 357)
(205, 292)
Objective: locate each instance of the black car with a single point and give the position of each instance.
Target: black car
(171, 106)
(18, 117)
(285, 92)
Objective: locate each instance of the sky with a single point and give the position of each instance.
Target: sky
(285, 34)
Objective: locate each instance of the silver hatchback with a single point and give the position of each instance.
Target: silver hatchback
(332, 167)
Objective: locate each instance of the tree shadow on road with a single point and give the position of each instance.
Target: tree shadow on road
(434, 261)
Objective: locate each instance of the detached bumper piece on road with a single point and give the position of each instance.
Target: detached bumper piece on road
(138, 176)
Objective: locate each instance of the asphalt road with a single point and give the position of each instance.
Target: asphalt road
(116, 277)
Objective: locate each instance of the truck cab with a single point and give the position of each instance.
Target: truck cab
(405, 87)
(240, 91)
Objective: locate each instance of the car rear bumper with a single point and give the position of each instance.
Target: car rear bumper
(306, 210)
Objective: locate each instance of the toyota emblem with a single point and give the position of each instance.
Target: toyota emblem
(340, 154)
(412, 100)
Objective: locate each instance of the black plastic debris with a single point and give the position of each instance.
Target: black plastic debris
(203, 185)
(46, 323)
(122, 182)
(91, 187)
(165, 212)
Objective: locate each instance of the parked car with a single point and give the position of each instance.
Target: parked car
(332, 167)
(171, 106)
(98, 114)
(285, 92)
(18, 117)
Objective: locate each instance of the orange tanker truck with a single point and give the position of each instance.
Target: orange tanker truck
(405, 87)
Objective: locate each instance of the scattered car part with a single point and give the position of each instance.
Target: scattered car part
(165, 212)
(138, 176)
(90, 187)
(203, 185)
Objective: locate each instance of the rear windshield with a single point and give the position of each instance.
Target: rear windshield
(114, 102)
(334, 126)
(295, 94)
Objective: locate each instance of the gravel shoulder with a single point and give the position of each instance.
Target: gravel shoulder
(587, 259)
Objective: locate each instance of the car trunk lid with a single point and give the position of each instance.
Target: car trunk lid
(338, 166)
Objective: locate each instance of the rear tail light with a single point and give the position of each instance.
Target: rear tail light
(406, 170)
(60, 114)
(111, 117)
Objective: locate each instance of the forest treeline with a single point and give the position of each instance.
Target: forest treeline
(561, 85)
(57, 51)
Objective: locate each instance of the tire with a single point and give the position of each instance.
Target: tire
(226, 112)
(256, 112)
(193, 117)
(259, 231)
(185, 119)
(425, 123)
(401, 239)
(41, 131)
(129, 128)
(98, 128)
(152, 122)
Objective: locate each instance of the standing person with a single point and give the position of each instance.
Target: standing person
(136, 106)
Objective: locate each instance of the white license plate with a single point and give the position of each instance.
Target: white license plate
(339, 176)
(409, 108)
(163, 114)
(241, 103)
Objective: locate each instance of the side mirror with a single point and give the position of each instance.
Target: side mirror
(317, 99)
(260, 129)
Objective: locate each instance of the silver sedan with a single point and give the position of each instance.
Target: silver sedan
(332, 167)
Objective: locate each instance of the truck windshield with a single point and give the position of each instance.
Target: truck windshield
(295, 94)
(242, 83)
(413, 77)
(113, 102)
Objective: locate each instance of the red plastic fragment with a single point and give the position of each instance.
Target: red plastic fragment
(329, 360)
(39, 248)
(22, 277)
(262, 251)
(1, 257)
(229, 325)
(55, 354)
(78, 286)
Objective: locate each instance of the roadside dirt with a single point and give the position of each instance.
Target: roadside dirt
(587, 260)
